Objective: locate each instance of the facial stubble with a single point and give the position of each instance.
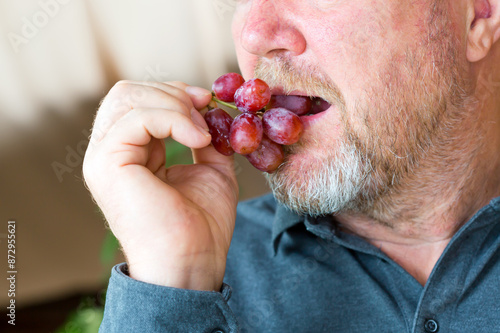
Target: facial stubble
(384, 137)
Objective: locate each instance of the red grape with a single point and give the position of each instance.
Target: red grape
(246, 133)
(226, 85)
(259, 140)
(319, 105)
(252, 96)
(268, 157)
(282, 126)
(300, 105)
(219, 125)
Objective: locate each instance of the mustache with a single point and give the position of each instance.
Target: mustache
(309, 79)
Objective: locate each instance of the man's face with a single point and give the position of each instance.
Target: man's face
(393, 71)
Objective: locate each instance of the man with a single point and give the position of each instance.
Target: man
(386, 218)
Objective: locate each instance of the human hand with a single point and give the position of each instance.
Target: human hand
(174, 225)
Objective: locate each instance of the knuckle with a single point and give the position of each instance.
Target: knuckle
(135, 113)
(124, 82)
(125, 88)
(177, 90)
(176, 83)
(116, 93)
(184, 109)
(120, 87)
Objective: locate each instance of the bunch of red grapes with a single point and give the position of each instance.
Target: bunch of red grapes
(265, 124)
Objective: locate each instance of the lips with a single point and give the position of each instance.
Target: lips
(300, 104)
(310, 119)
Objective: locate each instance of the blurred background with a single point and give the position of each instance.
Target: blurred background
(58, 59)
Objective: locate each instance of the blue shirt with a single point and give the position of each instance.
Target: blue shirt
(288, 273)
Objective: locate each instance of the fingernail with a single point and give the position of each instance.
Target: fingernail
(197, 91)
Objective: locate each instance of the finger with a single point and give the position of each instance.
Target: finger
(127, 139)
(127, 95)
(200, 97)
(175, 89)
(198, 119)
(157, 158)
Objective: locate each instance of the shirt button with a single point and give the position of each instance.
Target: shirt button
(431, 326)
(218, 331)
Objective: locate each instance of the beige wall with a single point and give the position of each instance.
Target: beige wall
(57, 61)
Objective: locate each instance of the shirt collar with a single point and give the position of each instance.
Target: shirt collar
(495, 203)
(283, 220)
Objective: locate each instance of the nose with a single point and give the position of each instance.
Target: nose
(268, 29)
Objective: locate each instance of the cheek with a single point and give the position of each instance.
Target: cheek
(362, 47)
(350, 52)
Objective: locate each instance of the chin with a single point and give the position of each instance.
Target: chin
(319, 182)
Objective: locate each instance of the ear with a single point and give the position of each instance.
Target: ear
(484, 30)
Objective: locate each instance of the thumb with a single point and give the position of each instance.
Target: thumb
(224, 164)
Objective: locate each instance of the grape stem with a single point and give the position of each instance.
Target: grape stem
(218, 101)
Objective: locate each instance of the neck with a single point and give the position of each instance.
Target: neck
(414, 221)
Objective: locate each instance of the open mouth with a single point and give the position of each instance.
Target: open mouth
(300, 105)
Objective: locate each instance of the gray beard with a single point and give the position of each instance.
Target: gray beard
(328, 186)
